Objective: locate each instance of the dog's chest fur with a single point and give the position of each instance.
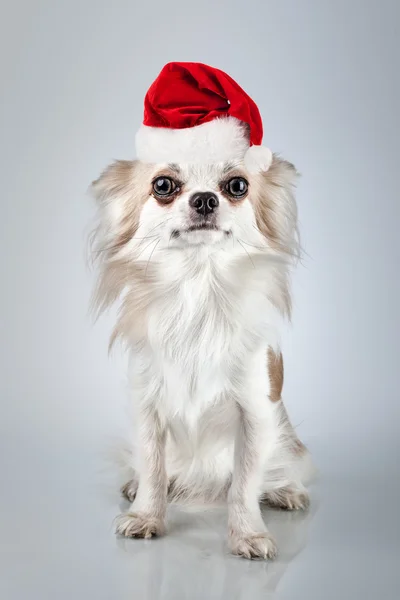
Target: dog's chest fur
(203, 327)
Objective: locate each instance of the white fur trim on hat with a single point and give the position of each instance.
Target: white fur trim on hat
(219, 140)
(258, 158)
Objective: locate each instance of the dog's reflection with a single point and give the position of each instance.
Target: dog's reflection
(192, 561)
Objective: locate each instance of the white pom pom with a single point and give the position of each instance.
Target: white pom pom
(257, 158)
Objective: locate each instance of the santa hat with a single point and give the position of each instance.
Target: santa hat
(194, 113)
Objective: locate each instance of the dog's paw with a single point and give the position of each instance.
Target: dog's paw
(287, 498)
(129, 489)
(253, 545)
(139, 525)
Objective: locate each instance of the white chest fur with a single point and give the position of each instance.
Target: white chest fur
(202, 329)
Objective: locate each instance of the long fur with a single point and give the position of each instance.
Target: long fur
(199, 315)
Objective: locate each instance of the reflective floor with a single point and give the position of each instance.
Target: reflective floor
(57, 540)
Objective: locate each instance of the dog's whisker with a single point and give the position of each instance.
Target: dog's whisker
(252, 245)
(118, 246)
(251, 260)
(151, 254)
(170, 238)
(98, 251)
(160, 224)
(144, 249)
(152, 229)
(155, 227)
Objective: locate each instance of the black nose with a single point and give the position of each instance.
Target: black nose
(204, 202)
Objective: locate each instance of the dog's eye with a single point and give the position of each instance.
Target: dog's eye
(164, 187)
(237, 187)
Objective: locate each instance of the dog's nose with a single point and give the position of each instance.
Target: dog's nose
(204, 202)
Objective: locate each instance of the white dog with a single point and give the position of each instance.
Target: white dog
(199, 255)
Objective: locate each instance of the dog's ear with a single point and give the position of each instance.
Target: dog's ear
(114, 190)
(120, 191)
(114, 180)
(275, 205)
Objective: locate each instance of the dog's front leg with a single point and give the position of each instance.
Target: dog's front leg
(248, 534)
(146, 515)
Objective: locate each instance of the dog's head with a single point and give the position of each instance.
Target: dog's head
(204, 197)
(153, 209)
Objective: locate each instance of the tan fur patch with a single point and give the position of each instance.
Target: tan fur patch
(296, 446)
(274, 205)
(122, 190)
(115, 179)
(123, 183)
(272, 197)
(275, 373)
(131, 324)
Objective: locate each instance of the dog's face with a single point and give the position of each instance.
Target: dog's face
(157, 208)
(199, 205)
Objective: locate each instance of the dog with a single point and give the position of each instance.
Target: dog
(199, 257)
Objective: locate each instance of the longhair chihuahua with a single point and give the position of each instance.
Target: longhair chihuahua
(197, 248)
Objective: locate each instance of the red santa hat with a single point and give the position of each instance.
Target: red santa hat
(194, 113)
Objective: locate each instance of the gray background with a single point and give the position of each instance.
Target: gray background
(73, 77)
